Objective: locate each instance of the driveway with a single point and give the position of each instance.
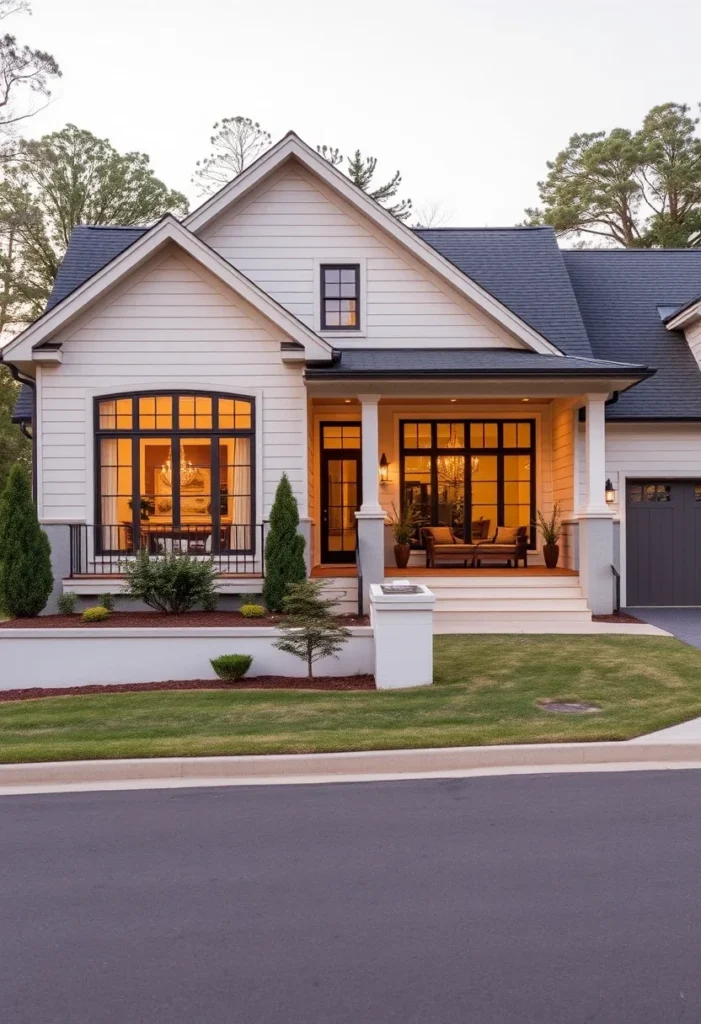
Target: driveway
(519, 900)
(684, 623)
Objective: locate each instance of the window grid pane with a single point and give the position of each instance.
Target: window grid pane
(340, 297)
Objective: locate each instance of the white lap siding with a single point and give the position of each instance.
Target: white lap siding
(171, 325)
(291, 223)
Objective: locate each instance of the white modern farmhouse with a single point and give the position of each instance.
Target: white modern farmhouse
(290, 324)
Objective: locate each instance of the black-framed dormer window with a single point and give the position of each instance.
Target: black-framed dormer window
(340, 297)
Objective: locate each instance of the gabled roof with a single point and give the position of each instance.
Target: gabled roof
(523, 268)
(618, 291)
(291, 147)
(141, 249)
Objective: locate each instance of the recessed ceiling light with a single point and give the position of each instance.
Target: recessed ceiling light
(453, 399)
(525, 399)
(348, 401)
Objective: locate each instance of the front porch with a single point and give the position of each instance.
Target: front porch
(471, 459)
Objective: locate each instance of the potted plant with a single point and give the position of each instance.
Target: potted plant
(403, 523)
(550, 530)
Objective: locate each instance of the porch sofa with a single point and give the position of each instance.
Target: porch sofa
(508, 545)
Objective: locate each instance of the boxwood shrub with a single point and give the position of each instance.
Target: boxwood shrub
(232, 667)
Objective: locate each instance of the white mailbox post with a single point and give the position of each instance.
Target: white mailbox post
(401, 614)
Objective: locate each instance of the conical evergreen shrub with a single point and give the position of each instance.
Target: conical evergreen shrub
(25, 554)
(284, 548)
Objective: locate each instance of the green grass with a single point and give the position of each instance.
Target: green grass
(485, 691)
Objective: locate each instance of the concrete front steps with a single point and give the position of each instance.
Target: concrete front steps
(494, 604)
(491, 603)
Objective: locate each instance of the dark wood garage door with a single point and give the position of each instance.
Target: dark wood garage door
(663, 542)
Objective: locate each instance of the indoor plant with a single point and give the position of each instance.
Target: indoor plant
(403, 522)
(550, 530)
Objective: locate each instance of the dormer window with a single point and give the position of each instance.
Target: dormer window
(340, 297)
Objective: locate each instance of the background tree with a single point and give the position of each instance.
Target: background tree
(25, 555)
(15, 448)
(284, 547)
(361, 171)
(634, 189)
(237, 142)
(67, 178)
(310, 631)
(25, 77)
(432, 214)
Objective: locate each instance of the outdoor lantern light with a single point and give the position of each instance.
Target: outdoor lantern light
(384, 469)
(610, 493)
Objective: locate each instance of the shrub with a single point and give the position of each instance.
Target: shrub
(172, 583)
(232, 667)
(252, 611)
(96, 614)
(106, 601)
(25, 554)
(310, 631)
(67, 604)
(284, 548)
(209, 602)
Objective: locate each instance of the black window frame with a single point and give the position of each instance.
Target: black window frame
(176, 433)
(323, 267)
(500, 450)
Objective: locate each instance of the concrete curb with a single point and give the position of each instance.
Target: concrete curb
(376, 763)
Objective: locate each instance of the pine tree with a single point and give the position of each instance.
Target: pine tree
(25, 554)
(310, 631)
(284, 548)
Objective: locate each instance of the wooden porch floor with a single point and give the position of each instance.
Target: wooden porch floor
(341, 571)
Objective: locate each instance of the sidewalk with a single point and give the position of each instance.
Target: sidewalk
(360, 766)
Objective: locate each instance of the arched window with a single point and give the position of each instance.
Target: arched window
(174, 473)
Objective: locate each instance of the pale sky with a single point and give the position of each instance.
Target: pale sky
(468, 99)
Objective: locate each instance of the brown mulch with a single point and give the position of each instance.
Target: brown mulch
(623, 617)
(151, 620)
(358, 682)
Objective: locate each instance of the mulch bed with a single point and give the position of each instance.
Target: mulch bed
(623, 617)
(151, 620)
(358, 682)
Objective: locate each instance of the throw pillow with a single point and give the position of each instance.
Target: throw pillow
(441, 534)
(506, 535)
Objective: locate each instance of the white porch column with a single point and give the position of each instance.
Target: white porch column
(595, 517)
(371, 517)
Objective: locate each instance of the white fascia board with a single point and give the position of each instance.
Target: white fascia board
(684, 318)
(167, 231)
(292, 147)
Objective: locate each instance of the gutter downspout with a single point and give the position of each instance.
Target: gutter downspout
(31, 384)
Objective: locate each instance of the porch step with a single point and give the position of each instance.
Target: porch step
(522, 606)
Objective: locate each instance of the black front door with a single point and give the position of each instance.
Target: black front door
(340, 490)
(663, 542)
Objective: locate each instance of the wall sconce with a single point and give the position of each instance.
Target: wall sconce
(610, 493)
(384, 469)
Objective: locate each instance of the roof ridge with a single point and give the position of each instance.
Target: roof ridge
(502, 227)
(618, 252)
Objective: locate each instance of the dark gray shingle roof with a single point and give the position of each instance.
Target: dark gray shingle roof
(453, 362)
(618, 291)
(24, 406)
(523, 269)
(89, 250)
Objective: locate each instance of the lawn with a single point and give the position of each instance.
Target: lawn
(486, 691)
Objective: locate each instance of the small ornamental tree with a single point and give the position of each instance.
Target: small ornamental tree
(284, 548)
(310, 631)
(26, 581)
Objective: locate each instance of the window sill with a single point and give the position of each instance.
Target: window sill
(330, 335)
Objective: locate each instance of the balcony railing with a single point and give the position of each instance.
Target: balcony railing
(103, 550)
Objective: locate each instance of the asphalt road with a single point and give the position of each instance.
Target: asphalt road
(544, 899)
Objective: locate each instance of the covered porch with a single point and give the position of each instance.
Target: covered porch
(473, 455)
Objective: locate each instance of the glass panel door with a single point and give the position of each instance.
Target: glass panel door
(340, 490)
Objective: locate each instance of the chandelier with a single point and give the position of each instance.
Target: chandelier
(188, 473)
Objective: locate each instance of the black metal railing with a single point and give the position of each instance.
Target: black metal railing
(617, 578)
(103, 550)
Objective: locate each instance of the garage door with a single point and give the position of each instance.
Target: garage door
(663, 542)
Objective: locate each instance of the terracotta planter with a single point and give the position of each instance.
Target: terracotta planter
(551, 553)
(401, 555)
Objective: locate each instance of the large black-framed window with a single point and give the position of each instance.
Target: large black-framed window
(471, 475)
(175, 471)
(340, 296)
